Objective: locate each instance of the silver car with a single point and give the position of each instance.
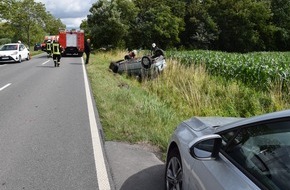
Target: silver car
(230, 153)
(147, 66)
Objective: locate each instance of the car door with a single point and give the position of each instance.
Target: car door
(261, 152)
(22, 51)
(218, 174)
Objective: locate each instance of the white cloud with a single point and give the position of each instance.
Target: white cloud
(73, 22)
(71, 13)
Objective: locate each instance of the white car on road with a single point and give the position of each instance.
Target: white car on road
(15, 52)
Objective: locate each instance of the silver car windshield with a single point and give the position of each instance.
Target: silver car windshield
(263, 152)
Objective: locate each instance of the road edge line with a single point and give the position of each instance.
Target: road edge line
(102, 174)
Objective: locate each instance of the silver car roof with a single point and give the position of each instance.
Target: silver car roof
(255, 119)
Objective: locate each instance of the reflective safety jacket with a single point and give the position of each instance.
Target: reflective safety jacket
(48, 46)
(56, 49)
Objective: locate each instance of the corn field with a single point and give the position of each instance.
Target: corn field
(262, 70)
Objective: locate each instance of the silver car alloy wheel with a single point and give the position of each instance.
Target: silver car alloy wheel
(174, 174)
(146, 62)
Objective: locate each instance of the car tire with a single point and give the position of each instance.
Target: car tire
(28, 57)
(146, 62)
(127, 57)
(113, 67)
(173, 171)
(20, 59)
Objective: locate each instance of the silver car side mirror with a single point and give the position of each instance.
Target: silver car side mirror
(206, 148)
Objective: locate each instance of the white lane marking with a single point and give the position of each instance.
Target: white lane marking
(45, 62)
(102, 174)
(5, 86)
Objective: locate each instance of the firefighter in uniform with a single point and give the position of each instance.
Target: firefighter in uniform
(48, 48)
(56, 53)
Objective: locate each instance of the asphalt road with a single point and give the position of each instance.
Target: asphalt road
(51, 137)
(45, 130)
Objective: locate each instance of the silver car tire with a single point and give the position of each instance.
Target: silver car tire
(146, 62)
(174, 174)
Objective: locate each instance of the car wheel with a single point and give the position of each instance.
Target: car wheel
(20, 59)
(146, 62)
(114, 67)
(174, 174)
(28, 56)
(127, 57)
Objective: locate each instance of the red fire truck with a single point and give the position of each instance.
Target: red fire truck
(72, 42)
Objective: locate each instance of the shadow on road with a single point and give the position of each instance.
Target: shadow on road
(150, 178)
(46, 66)
(76, 63)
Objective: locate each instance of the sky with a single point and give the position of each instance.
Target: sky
(70, 12)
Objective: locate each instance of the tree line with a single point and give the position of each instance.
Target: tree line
(27, 21)
(224, 25)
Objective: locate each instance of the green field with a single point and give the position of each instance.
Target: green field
(259, 69)
(148, 112)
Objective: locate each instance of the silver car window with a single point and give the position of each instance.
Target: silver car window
(263, 152)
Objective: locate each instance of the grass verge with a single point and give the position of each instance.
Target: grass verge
(148, 112)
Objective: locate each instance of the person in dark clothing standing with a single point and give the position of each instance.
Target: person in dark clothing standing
(153, 49)
(87, 50)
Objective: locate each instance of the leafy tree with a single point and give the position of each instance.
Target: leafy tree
(144, 5)
(128, 14)
(26, 16)
(51, 24)
(28, 21)
(281, 19)
(5, 7)
(5, 31)
(242, 24)
(157, 24)
(105, 23)
(200, 29)
(84, 26)
(177, 7)
(32, 18)
(5, 14)
(227, 25)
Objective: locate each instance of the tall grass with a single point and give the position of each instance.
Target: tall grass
(149, 111)
(192, 91)
(127, 111)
